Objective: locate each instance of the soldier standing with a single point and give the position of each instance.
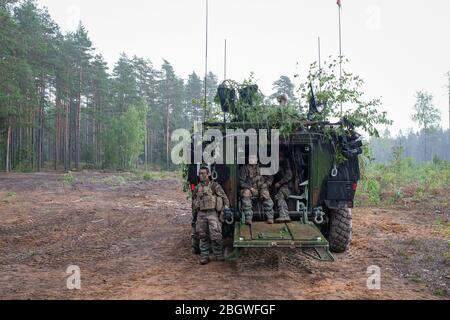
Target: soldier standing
(253, 184)
(209, 202)
(283, 187)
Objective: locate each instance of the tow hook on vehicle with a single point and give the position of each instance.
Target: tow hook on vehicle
(318, 216)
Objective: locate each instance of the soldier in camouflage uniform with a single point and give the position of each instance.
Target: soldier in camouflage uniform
(209, 202)
(283, 188)
(253, 184)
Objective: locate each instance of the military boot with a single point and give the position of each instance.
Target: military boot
(268, 210)
(204, 260)
(284, 212)
(284, 219)
(247, 210)
(217, 251)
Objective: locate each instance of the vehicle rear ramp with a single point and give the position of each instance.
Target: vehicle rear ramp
(304, 236)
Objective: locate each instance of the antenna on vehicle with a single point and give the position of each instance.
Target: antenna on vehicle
(206, 61)
(225, 76)
(320, 60)
(225, 62)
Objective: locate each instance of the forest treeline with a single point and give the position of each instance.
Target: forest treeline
(420, 146)
(62, 108)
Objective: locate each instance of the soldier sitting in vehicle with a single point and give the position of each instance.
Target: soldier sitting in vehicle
(209, 202)
(284, 185)
(254, 185)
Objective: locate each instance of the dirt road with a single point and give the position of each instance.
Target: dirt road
(131, 240)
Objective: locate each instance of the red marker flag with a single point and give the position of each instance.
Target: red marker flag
(339, 3)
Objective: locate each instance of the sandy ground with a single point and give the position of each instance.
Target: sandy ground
(131, 240)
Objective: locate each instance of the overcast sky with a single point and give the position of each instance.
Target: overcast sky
(398, 47)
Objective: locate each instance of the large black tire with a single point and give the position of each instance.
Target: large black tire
(340, 230)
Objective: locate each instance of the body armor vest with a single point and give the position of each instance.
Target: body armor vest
(206, 199)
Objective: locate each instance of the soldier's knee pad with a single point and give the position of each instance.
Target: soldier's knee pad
(246, 193)
(265, 194)
(202, 235)
(195, 236)
(216, 236)
(215, 231)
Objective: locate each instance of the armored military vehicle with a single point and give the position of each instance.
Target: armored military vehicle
(321, 205)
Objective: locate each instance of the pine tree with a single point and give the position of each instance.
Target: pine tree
(124, 86)
(99, 87)
(282, 86)
(14, 78)
(146, 87)
(426, 115)
(81, 56)
(171, 103)
(38, 33)
(193, 95)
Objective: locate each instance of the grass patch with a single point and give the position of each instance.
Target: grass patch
(115, 180)
(67, 179)
(8, 197)
(149, 176)
(402, 181)
(159, 175)
(156, 175)
(440, 292)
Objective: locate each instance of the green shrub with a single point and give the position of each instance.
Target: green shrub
(401, 178)
(115, 180)
(67, 179)
(157, 175)
(124, 138)
(148, 176)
